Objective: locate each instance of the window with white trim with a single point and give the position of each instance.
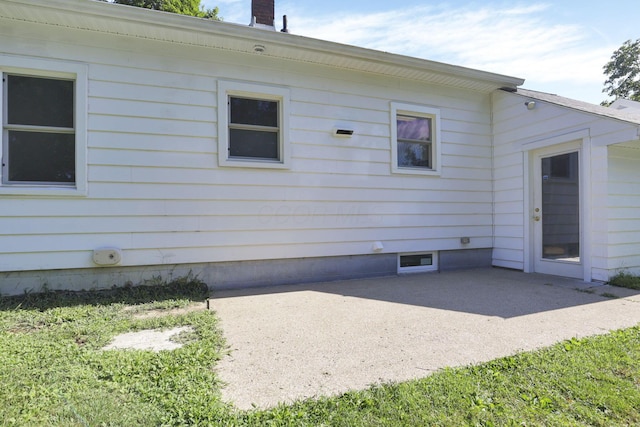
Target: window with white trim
(43, 114)
(415, 139)
(417, 262)
(40, 133)
(253, 125)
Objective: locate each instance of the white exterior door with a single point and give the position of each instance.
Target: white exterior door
(556, 212)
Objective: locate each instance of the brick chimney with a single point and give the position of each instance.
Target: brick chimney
(263, 12)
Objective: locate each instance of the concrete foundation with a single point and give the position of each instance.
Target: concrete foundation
(465, 258)
(230, 275)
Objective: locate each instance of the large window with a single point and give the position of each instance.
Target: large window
(252, 125)
(43, 114)
(39, 128)
(415, 135)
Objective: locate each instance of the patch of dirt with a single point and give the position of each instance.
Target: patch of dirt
(161, 312)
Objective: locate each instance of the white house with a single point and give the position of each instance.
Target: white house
(139, 143)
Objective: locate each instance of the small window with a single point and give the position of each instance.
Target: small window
(39, 131)
(415, 139)
(43, 110)
(253, 125)
(417, 262)
(253, 129)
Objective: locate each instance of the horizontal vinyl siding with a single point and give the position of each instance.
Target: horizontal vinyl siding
(508, 181)
(156, 191)
(624, 208)
(514, 127)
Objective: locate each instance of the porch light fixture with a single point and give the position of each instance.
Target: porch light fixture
(530, 105)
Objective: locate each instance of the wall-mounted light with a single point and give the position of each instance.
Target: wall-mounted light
(342, 132)
(530, 105)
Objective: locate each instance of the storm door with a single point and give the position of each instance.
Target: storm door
(556, 214)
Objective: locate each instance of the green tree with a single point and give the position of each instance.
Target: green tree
(623, 72)
(182, 7)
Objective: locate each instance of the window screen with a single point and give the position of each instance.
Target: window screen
(39, 137)
(254, 128)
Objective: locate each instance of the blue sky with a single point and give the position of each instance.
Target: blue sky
(556, 46)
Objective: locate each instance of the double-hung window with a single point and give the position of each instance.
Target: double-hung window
(253, 125)
(254, 128)
(40, 133)
(43, 133)
(415, 136)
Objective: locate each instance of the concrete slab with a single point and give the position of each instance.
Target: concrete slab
(148, 339)
(293, 342)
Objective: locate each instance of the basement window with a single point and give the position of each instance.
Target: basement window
(417, 262)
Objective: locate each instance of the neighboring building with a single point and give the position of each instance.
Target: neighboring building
(138, 143)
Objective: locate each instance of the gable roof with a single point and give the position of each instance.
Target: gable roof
(628, 115)
(96, 16)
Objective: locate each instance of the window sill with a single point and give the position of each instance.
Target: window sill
(42, 190)
(253, 163)
(415, 171)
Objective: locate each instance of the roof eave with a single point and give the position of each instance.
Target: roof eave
(149, 24)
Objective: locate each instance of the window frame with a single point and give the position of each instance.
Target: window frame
(419, 268)
(228, 89)
(39, 68)
(421, 111)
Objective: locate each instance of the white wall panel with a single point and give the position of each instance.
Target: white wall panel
(156, 190)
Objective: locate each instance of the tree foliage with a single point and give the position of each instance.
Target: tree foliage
(623, 72)
(182, 7)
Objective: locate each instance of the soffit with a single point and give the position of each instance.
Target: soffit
(153, 25)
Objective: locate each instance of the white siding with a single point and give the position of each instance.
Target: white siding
(155, 189)
(624, 208)
(514, 128)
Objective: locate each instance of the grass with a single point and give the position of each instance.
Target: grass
(54, 373)
(625, 280)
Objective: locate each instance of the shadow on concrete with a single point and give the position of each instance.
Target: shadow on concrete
(488, 291)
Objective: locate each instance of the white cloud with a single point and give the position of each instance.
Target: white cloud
(514, 40)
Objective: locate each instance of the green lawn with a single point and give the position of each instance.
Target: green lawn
(53, 373)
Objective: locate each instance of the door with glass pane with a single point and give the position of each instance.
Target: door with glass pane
(556, 214)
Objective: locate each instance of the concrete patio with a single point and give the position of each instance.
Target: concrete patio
(293, 342)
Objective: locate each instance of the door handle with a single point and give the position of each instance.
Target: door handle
(536, 216)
